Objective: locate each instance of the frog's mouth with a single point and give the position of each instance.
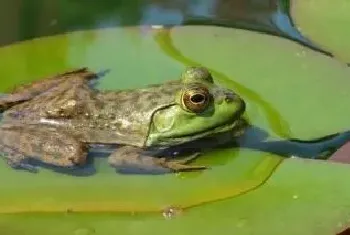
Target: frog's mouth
(226, 127)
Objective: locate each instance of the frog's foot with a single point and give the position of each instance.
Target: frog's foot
(16, 159)
(178, 165)
(133, 157)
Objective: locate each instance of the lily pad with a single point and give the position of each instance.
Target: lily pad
(134, 59)
(291, 91)
(298, 199)
(49, 191)
(277, 78)
(326, 23)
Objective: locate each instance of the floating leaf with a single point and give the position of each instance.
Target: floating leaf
(290, 91)
(326, 23)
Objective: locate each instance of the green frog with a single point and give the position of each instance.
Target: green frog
(56, 120)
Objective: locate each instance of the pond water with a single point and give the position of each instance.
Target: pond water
(42, 18)
(142, 43)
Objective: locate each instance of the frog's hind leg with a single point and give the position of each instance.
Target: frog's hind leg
(26, 92)
(19, 143)
(8, 100)
(93, 82)
(45, 84)
(135, 158)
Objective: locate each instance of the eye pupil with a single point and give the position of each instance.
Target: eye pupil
(197, 98)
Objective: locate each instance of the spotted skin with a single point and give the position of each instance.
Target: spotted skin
(55, 119)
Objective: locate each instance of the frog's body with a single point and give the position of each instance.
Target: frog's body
(55, 119)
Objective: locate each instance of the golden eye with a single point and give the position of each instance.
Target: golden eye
(195, 99)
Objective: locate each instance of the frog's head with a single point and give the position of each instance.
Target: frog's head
(201, 108)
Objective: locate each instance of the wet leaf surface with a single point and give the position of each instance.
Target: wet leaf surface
(325, 23)
(307, 197)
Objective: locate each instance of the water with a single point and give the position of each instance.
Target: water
(39, 18)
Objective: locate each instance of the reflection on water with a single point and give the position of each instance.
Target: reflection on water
(22, 19)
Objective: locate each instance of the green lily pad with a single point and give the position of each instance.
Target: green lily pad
(326, 23)
(107, 191)
(291, 91)
(298, 199)
(135, 59)
(288, 91)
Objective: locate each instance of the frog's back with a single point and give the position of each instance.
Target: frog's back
(136, 105)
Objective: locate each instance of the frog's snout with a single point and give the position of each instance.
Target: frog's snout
(230, 97)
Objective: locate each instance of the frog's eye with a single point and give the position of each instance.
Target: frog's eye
(195, 99)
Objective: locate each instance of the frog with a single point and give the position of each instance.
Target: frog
(57, 119)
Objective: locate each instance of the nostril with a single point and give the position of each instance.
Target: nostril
(229, 97)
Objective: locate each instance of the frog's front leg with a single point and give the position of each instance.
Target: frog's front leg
(133, 157)
(19, 143)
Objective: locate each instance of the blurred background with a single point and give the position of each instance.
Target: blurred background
(25, 19)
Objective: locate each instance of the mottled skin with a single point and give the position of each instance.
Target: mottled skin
(55, 119)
